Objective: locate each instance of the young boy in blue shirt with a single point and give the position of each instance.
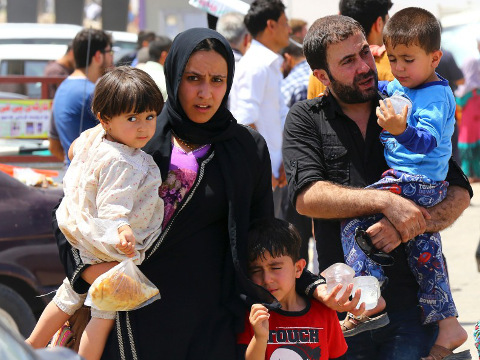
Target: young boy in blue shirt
(302, 328)
(417, 149)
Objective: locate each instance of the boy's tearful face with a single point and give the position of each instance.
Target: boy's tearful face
(277, 275)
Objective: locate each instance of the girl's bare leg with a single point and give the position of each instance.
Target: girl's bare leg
(50, 321)
(94, 338)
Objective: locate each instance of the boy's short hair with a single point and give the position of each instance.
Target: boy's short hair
(413, 26)
(278, 237)
(124, 90)
(366, 12)
(86, 43)
(326, 31)
(260, 12)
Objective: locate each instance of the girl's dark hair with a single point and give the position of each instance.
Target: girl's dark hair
(211, 44)
(124, 90)
(278, 237)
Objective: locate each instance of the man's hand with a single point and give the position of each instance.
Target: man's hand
(407, 217)
(342, 304)
(384, 235)
(127, 240)
(394, 123)
(259, 320)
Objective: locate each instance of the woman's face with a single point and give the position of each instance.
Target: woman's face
(203, 85)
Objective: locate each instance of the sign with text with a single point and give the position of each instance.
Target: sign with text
(220, 7)
(25, 119)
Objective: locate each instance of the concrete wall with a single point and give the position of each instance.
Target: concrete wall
(19, 11)
(115, 14)
(68, 12)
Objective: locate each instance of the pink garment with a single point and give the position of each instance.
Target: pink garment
(469, 127)
(181, 176)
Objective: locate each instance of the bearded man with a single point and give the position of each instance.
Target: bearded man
(331, 151)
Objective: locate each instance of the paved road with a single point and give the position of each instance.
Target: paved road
(459, 245)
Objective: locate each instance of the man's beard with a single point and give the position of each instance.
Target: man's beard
(351, 94)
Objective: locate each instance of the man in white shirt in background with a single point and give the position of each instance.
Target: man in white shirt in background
(158, 51)
(256, 98)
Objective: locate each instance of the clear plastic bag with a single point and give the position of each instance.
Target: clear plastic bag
(398, 101)
(338, 273)
(122, 288)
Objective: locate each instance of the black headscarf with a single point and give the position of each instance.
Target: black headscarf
(219, 127)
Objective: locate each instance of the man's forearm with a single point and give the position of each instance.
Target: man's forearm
(331, 201)
(326, 200)
(446, 212)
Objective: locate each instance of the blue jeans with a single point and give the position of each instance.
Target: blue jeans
(404, 338)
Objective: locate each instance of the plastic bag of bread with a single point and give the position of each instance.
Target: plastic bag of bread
(122, 288)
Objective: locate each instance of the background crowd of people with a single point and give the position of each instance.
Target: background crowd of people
(267, 118)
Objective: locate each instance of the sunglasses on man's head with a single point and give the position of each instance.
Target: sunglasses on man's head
(364, 242)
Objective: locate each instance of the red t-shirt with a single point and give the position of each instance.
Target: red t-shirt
(313, 333)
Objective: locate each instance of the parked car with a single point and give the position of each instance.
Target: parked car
(60, 34)
(32, 33)
(30, 265)
(28, 60)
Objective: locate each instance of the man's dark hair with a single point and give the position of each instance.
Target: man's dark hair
(276, 236)
(86, 43)
(294, 47)
(159, 45)
(325, 31)
(413, 26)
(126, 90)
(144, 36)
(260, 12)
(366, 12)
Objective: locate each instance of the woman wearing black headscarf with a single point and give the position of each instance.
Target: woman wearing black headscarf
(216, 181)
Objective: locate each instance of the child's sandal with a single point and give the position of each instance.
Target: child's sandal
(353, 325)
